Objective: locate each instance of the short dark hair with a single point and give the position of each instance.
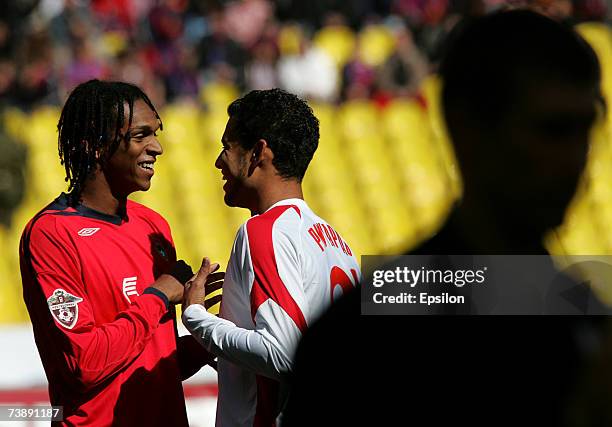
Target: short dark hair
(285, 121)
(485, 56)
(90, 127)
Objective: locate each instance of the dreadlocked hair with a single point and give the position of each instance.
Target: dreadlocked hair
(89, 128)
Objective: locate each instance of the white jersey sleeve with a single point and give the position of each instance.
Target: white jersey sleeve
(264, 278)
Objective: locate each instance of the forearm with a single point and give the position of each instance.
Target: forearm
(92, 356)
(250, 349)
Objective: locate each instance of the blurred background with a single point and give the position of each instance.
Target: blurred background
(384, 174)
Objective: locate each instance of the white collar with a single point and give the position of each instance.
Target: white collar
(284, 202)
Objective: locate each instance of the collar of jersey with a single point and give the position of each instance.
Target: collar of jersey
(284, 202)
(62, 203)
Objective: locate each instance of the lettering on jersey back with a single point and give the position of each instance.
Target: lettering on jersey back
(324, 235)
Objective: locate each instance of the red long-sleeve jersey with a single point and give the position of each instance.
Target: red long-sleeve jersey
(108, 345)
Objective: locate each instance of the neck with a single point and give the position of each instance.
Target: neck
(98, 196)
(275, 192)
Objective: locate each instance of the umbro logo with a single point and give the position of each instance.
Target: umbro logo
(88, 231)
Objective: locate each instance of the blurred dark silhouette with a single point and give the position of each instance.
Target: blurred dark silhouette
(520, 94)
(519, 106)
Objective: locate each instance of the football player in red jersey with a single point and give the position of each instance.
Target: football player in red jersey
(100, 276)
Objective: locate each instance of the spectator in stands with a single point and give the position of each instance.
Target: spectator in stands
(182, 81)
(34, 82)
(358, 78)
(85, 65)
(311, 73)
(246, 20)
(219, 54)
(261, 71)
(133, 67)
(402, 73)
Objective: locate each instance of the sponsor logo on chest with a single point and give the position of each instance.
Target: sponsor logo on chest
(129, 288)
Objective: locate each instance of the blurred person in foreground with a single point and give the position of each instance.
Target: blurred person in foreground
(99, 271)
(519, 106)
(287, 264)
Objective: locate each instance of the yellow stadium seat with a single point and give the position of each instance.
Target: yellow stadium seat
(357, 119)
(42, 128)
(376, 44)
(290, 40)
(432, 90)
(212, 127)
(338, 41)
(10, 289)
(406, 119)
(112, 43)
(15, 121)
(216, 96)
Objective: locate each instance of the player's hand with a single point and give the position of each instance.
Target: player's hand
(205, 281)
(172, 288)
(181, 271)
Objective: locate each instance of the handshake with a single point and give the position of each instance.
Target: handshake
(181, 285)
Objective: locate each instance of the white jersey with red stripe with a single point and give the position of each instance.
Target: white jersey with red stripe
(287, 266)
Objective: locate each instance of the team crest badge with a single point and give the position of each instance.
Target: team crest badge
(64, 307)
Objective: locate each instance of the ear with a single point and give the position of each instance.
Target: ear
(261, 153)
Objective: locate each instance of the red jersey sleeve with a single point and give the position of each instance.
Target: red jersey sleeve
(84, 353)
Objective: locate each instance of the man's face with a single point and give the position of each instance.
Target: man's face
(233, 161)
(539, 149)
(130, 168)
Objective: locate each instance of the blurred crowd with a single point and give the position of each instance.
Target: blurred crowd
(326, 50)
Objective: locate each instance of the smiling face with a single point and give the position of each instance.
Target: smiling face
(233, 161)
(130, 168)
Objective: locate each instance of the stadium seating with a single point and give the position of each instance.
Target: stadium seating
(337, 41)
(376, 44)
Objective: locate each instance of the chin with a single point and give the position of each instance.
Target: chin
(229, 201)
(234, 202)
(143, 185)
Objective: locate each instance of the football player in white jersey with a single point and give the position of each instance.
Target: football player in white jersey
(287, 264)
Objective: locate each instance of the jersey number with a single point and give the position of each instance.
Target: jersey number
(338, 277)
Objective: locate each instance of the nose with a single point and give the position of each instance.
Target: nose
(155, 148)
(219, 162)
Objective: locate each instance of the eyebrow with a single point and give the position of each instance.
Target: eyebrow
(143, 128)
